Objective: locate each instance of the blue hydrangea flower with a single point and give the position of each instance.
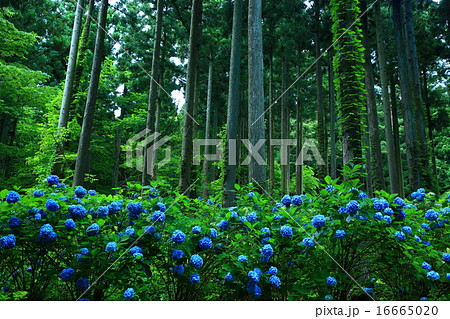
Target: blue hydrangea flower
(205, 243)
(417, 239)
(369, 291)
(343, 210)
(130, 231)
(425, 226)
(431, 215)
(210, 202)
(242, 259)
(423, 298)
(277, 207)
(419, 195)
(38, 193)
(352, 207)
(149, 229)
(286, 231)
(129, 293)
(82, 284)
(401, 215)
(340, 234)
(328, 297)
(196, 230)
(14, 222)
(253, 276)
(388, 211)
(136, 249)
(308, 242)
(399, 202)
(46, 235)
(433, 275)
(380, 204)
(330, 188)
(158, 216)
(265, 232)
(80, 192)
(102, 211)
(69, 224)
(8, 242)
(77, 211)
(251, 195)
(135, 210)
(387, 218)
(318, 221)
(407, 230)
(234, 215)
(52, 205)
(114, 207)
(254, 289)
(67, 274)
(448, 276)
(161, 207)
(331, 281)
(272, 271)
(177, 254)
(223, 225)
(196, 261)
(296, 200)
(400, 235)
(92, 192)
(276, 217)
(213, 233)
(426, 266)
(178, 269)
(446, 257)
(286, 200)
(229, 277)
(362, 195)
(37, 217)
(275, 281)
(194, 279)
(111, 247)
(138, 255)
(267, 250)
(93, 230)
(178, 236)
(53, 179)
(252, 217)
(61, 185)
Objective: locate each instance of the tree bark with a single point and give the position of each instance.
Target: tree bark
(319, 93)
(408, 110)
(271, 123)
(233, 104)
(391, 153)
(374, 132)
(187, 147)
(285, 129)
(299, 134)
(208, 134)
(257, 171)
(396, 134)
(82, 162)
(147, 172)
(333, 167)
(70, 75)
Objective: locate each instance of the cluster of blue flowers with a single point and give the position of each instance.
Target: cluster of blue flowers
(8, 242)
(46, 235)
(419, 195)
(196, 261)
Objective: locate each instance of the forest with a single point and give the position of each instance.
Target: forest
(224, 150)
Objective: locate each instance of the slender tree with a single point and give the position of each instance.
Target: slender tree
(391, 154)
(82, 163)
(333, 166)
(257, 168)
(187, 147)
(208, 132)
(153, 92)
(285, 129)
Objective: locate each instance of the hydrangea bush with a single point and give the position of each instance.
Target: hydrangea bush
(72, 244)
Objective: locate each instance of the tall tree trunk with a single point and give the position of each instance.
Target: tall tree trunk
(392, 156)
(349, 71)
(257, 169)
(187, 147)
(319, 92)
(374, 132)
(82, 50)
(82, 162)
(208, 134)
(368, 155)
(430, 128)
(271, 125)
(233, 104)
(408, 109)
(285, 129)
(299, 134)
(426, 177)
(70, 75)
(118, 143)
(149, 163)
(396, 134)
(333, 167)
